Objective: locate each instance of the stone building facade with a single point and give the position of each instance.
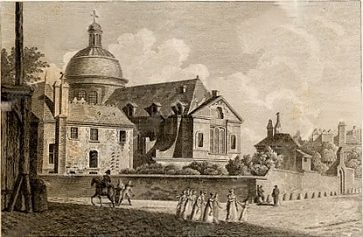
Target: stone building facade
(171, 122)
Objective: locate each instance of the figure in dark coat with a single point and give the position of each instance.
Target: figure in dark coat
(275, 195)
(107, 180)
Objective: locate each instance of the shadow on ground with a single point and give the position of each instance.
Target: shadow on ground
(64, 219)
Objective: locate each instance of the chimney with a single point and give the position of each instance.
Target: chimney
(215, 93)
(270, 129)
(64, 93)
(183, 89)
(278, 123)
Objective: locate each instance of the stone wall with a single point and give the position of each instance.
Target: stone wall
(295, 185)
(154, 187)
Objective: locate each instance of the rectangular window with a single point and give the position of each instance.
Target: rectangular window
(94, 134)
(200, 139)
(74, 133)
(51, 153)
(122, 137)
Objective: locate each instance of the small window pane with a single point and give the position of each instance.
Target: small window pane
(82, 94)
(94, 134)
(122, 137)
(92, 98)
(51, 153)
(211, 137)
(74, 133)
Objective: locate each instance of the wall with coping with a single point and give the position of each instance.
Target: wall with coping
(155, 187)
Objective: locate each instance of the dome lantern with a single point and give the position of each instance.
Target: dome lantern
(95, 32)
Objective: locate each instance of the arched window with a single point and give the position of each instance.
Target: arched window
(233, 142)
(220, 114)
(93, 159)
(222, 141)
(82, 94)
(211, 140)
(216, 140)
(92, 97)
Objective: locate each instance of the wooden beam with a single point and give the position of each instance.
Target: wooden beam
(19, 69)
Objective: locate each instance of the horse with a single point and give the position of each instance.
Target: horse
(101, 190)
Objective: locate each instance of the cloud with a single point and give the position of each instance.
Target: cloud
(144, 59)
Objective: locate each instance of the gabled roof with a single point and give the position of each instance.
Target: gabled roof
(213, 100)
(97, 114)
(167, 94)
(303, 153)
(279, 139)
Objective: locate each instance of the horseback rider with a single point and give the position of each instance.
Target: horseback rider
(107, 180)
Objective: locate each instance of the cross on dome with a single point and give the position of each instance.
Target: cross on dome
(94, 15)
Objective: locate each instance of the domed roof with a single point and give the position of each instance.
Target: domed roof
(93, 62)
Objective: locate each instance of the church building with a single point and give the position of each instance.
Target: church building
(91, 122)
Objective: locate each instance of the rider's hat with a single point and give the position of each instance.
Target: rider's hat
(108, 172)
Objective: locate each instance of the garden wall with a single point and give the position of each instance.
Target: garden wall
(296, 185)
(155, 187)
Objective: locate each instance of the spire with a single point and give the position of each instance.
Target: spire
(270, 129)
(278, 123)
(95, 32)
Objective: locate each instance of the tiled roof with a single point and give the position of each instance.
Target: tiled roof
(166, 94)
(279, 139)
(94, 51)
(97, 114)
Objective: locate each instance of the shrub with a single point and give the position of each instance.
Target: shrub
(187, 171)
(238, 166)
(206, 168)
(155, 168)
(128, 171)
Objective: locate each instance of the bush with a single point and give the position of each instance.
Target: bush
(155, 168)
(128, 171)
(206, 168)
(238, 166)
(187, 171)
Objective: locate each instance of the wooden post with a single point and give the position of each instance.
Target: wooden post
(22, 184)
(19, 70)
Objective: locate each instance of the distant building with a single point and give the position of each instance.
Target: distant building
(283, 144)
(347, 139)
(91, 122)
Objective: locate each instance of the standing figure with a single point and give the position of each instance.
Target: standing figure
(208, 212)
(187, 205)
(216, 207)
(243, 215)
(118, 190)
(197, 207)
(181, 201)
(127, 193)
(232, 208)
(202, 206)
(193, 200)
(275, 195)
(260, 194)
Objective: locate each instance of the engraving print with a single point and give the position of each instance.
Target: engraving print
(160, 118)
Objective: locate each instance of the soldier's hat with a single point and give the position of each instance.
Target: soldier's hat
(108, 172)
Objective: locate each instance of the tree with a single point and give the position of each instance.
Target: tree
(263, 161)
(238, 166)
(354, 161)
(33, 65)
(317, 164)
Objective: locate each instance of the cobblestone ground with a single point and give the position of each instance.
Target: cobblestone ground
(338, 216)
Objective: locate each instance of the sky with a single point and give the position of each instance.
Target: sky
(302, 59)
